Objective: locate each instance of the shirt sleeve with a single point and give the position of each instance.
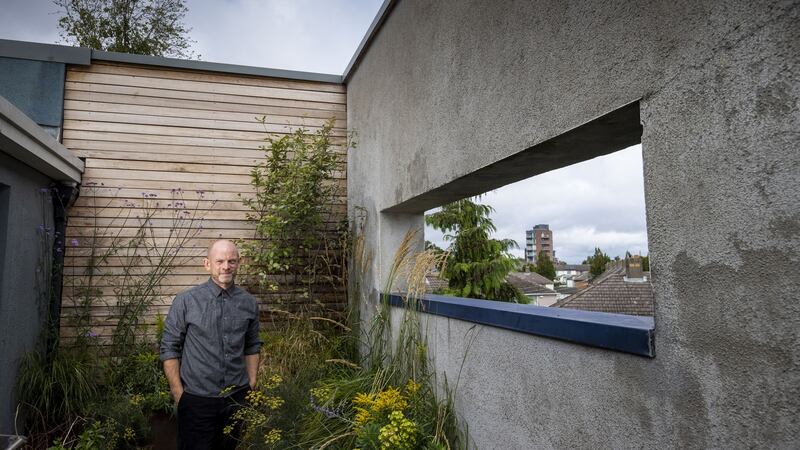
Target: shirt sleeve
(252, 340)
(174, 330)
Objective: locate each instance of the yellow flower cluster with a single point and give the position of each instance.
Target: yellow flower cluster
(250, 417)
(258, 399)
(136, 399)
(400, 433)
(129, 434)
(321, 394)
(412, 387)
(273, 382)
(273, 436)
(372, 406)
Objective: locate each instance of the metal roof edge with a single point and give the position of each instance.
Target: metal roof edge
(28, 142)
(376, 25)
(213, 67)
(45, 52)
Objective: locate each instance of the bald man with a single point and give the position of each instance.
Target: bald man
(210, 352)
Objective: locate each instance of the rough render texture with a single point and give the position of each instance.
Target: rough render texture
(448, 87)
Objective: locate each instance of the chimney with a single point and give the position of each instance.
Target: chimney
(633, 268)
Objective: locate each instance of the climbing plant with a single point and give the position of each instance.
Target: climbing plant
(296, 191)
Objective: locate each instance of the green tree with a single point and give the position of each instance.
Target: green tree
(646, 263)
(144, 27)
(545, 267)
(597, 262)
(477, 265)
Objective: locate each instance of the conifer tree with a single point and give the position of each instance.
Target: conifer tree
(477, 265)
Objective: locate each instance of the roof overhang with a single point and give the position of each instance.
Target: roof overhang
(22, 139)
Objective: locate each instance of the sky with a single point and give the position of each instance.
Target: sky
(597, 203)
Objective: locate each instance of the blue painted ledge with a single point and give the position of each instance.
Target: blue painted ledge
(629, 334)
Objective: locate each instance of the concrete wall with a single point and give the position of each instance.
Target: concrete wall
(447, 88)
(22, 239)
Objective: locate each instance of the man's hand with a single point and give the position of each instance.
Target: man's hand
(177, 394)
(172, 370)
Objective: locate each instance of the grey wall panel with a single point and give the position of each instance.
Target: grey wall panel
(35, 87)
(29, 218)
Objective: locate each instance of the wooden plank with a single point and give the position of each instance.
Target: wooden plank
(145, 139)
(251, 125)
(91, 202)
(208, 187)
(209, 169)
(203, 96)
(156, 175)
(168, 223)
(155, 152)
(185, 167)
(211, 77)
(264, 108)
(207, 87)
(160, 130)
(73, 107)
(114, 158)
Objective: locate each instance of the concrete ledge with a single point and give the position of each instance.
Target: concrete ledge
(22, 139)
(628, 334)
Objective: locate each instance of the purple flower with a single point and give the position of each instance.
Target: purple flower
(90, 334)
(74, 242)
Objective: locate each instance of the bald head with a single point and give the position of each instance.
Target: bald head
(222, 262)
(221, 244)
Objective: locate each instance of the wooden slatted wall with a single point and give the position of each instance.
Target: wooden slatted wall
(156, 135)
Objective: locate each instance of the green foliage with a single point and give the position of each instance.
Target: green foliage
(144, 27)
(477, 265)
(597, 262)
(295, 191)
(545, 267)
(646, 263)
(53, 390)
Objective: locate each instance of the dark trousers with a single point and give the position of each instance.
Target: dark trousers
(201, 421)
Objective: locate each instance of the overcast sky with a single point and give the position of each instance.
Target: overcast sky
(595, 203)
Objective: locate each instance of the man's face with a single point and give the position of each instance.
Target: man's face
(222, 262)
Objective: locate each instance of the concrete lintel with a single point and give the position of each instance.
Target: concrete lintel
(606, 134)
(45, 52)
(23, 139)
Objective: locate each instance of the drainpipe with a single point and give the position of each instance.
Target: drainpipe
(64, 196)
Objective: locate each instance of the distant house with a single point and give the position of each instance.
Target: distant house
(536, 287)
(622, 289)
(565, 291)
(434, 284)
(567, 271)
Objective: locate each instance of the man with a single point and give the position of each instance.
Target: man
(210, 352)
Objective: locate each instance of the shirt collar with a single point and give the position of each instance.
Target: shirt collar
(217, 290)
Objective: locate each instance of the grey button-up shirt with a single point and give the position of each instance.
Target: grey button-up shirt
(210, 330)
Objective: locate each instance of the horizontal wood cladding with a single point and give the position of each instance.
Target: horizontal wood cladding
(178, 146)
